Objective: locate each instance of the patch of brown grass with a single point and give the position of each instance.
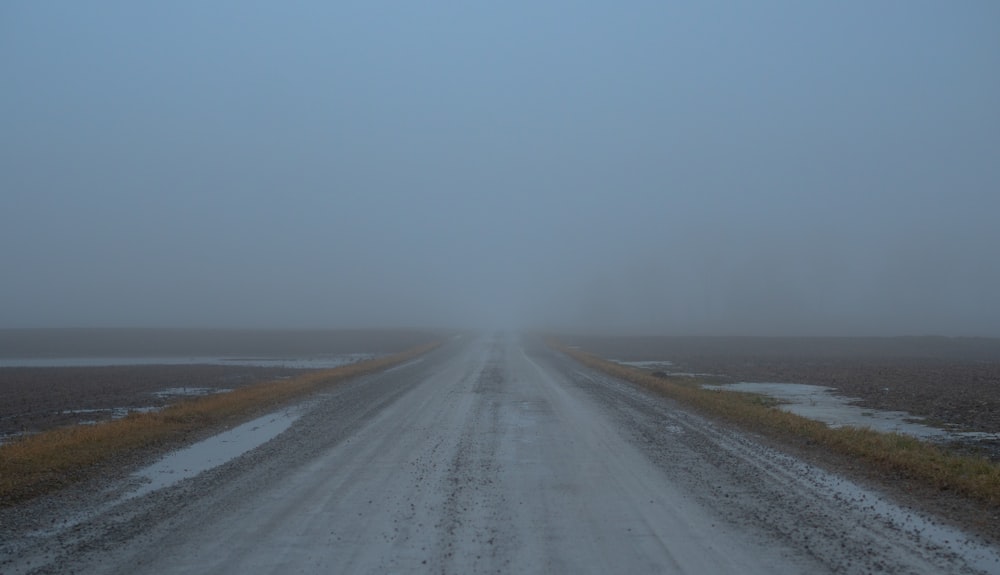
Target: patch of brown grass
(893, 454)
(47, 461)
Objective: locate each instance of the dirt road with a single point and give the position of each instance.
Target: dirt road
(498, 455)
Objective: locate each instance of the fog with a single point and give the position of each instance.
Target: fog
(745, 168)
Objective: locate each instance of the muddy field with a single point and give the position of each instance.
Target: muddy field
(34, 399)
(495, 454)
(40, 343)
(953, 382)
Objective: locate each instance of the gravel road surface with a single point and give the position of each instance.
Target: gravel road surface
(492, 455)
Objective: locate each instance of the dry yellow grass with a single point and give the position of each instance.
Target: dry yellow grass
(891, 453)
(41, 463)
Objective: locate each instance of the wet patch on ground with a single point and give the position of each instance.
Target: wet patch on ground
(823, 404)
(952, 384)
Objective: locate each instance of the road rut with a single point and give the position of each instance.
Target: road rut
(497, 455)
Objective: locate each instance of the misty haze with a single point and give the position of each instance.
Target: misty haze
(464, 287)
(772, 169)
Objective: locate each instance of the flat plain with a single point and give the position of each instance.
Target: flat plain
(952, 382)
(34, 399)
(492, 454)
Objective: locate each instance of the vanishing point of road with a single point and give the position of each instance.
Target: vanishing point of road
(499, 455)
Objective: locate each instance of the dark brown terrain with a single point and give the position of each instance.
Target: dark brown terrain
(127, 342)
(953, 382)
(498, 454)
(34, 399)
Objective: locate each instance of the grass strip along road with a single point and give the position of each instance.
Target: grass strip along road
(893, 454)
(42, 463)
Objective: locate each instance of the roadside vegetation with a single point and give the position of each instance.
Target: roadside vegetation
(50, 460)
(895, 455)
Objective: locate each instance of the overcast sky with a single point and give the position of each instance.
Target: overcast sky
(675, 167)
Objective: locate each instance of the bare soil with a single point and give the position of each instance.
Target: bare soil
(950, 381)
(34, 399)
(25, 343)
(954, 382)
(489, 455)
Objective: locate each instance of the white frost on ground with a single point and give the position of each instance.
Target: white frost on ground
(819, 402)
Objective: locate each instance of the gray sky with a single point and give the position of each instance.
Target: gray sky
(692, 167)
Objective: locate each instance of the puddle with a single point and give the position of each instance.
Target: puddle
(650, 365)
(404, 365)
(327, 362)
(299, 363)
(212, 452)
(819, 403)
(121, 412)
(14, 436)
(114, 412)
(188, 462)
(662, 365)
(187, 391)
